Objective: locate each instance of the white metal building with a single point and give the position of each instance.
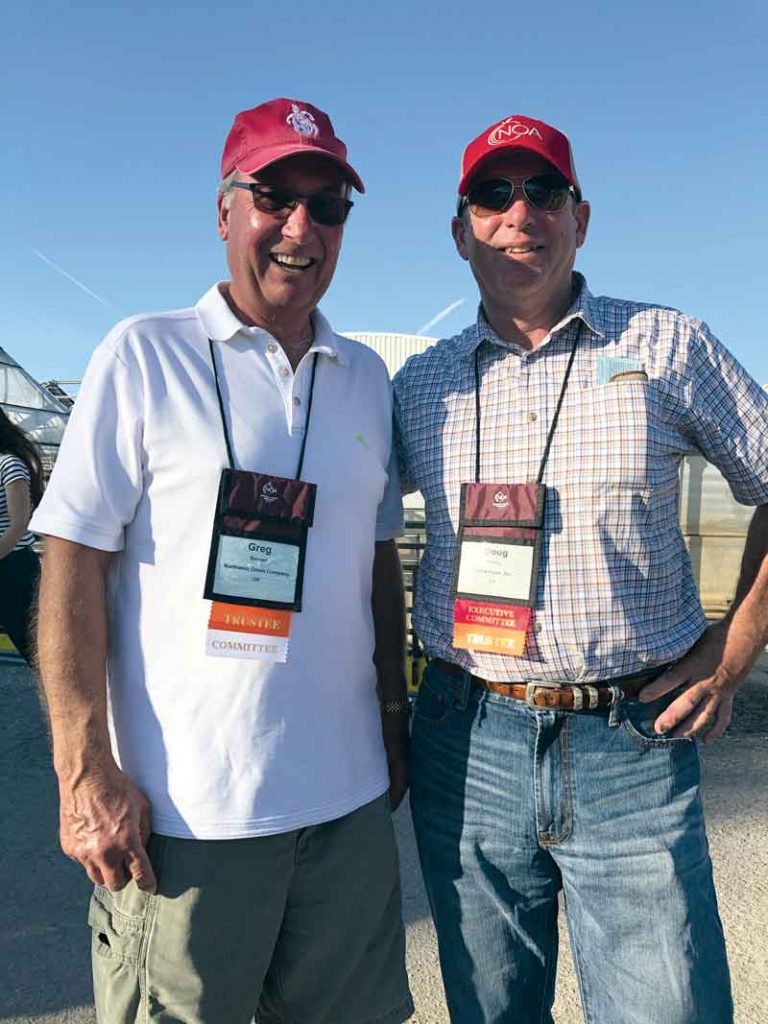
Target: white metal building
(27, 404)
(394, 349)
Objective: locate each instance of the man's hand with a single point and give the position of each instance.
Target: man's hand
(104, 819)
(705, 706)
(104, 825)
(716, 666)
(396, 741)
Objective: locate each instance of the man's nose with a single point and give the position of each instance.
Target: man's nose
(519, 213)
(298, 224)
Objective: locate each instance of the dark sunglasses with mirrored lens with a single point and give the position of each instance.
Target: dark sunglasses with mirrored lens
(330, 211)
(548, 192)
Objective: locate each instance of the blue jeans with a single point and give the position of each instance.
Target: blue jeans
(511, 805)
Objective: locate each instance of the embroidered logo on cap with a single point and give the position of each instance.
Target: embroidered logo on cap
(302, 122)
(511, 129)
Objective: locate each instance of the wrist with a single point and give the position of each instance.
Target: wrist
(79, 765)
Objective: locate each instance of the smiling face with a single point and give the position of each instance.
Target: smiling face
(281, 263)
(521, 258)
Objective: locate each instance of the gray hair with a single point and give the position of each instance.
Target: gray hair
(225, 188)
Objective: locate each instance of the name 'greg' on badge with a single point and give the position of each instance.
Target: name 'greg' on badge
(261, 570)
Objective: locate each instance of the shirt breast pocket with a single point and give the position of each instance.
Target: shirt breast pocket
(606, 433)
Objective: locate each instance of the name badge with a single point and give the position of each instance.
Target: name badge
(259, 540)
(496, 566)
(256, 564)
(258, 570)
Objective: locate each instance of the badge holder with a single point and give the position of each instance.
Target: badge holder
(501, 527)
(495, 571)
(255, 570)
(259, 540)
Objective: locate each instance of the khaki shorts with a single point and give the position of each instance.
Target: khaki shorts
(303, 927)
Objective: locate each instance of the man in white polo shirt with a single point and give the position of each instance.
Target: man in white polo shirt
(227, 762)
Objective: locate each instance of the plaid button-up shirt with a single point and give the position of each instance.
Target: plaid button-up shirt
(615, 589)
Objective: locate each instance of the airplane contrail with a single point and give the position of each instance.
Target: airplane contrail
(440, 316)
(74, 280)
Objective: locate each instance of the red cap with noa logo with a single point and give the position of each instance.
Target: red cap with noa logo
(519, 132)
(280, 128)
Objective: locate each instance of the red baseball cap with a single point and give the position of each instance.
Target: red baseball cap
(519, 132)
(281, 128)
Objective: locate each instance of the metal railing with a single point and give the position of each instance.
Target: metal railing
(411, 547)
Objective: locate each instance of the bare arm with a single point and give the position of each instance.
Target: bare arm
(19, 511)
(718, 664)
(104, 818)
(388, 603)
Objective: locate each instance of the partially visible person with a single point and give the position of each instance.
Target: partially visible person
(21, 487)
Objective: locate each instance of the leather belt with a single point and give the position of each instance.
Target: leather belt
(568, 696)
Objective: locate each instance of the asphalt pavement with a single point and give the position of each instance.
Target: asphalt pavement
(44, 940)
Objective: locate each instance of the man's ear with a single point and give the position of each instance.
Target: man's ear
(222, 208)
(581, 213)
(459, 229)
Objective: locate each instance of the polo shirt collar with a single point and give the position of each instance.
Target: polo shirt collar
(583, 306)
(326, 341)
(221, 324)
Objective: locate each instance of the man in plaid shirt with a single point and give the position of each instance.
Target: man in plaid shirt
(571, 667)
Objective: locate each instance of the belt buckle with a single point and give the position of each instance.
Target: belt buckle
(531, 688)
(585, 695)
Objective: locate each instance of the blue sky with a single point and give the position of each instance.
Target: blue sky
(118, 113)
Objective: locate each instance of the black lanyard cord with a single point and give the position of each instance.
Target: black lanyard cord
(227, 440)
(306, 421)
(221, 408)
(551, 434)
(556, 416)
(477, 417)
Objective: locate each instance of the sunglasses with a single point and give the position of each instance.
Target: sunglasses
(548, 192)
(330, 211)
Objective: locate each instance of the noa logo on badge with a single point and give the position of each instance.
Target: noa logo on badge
(512, 129)
(269, 492)
(500, 499)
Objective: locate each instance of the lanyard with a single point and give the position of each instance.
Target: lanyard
(555, 417)
(227, 440)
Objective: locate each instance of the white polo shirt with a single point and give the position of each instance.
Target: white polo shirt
(228, 748)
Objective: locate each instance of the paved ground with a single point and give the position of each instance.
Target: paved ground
(44, 974)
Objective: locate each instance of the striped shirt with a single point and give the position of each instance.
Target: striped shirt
(615, 589)
(11, 469)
